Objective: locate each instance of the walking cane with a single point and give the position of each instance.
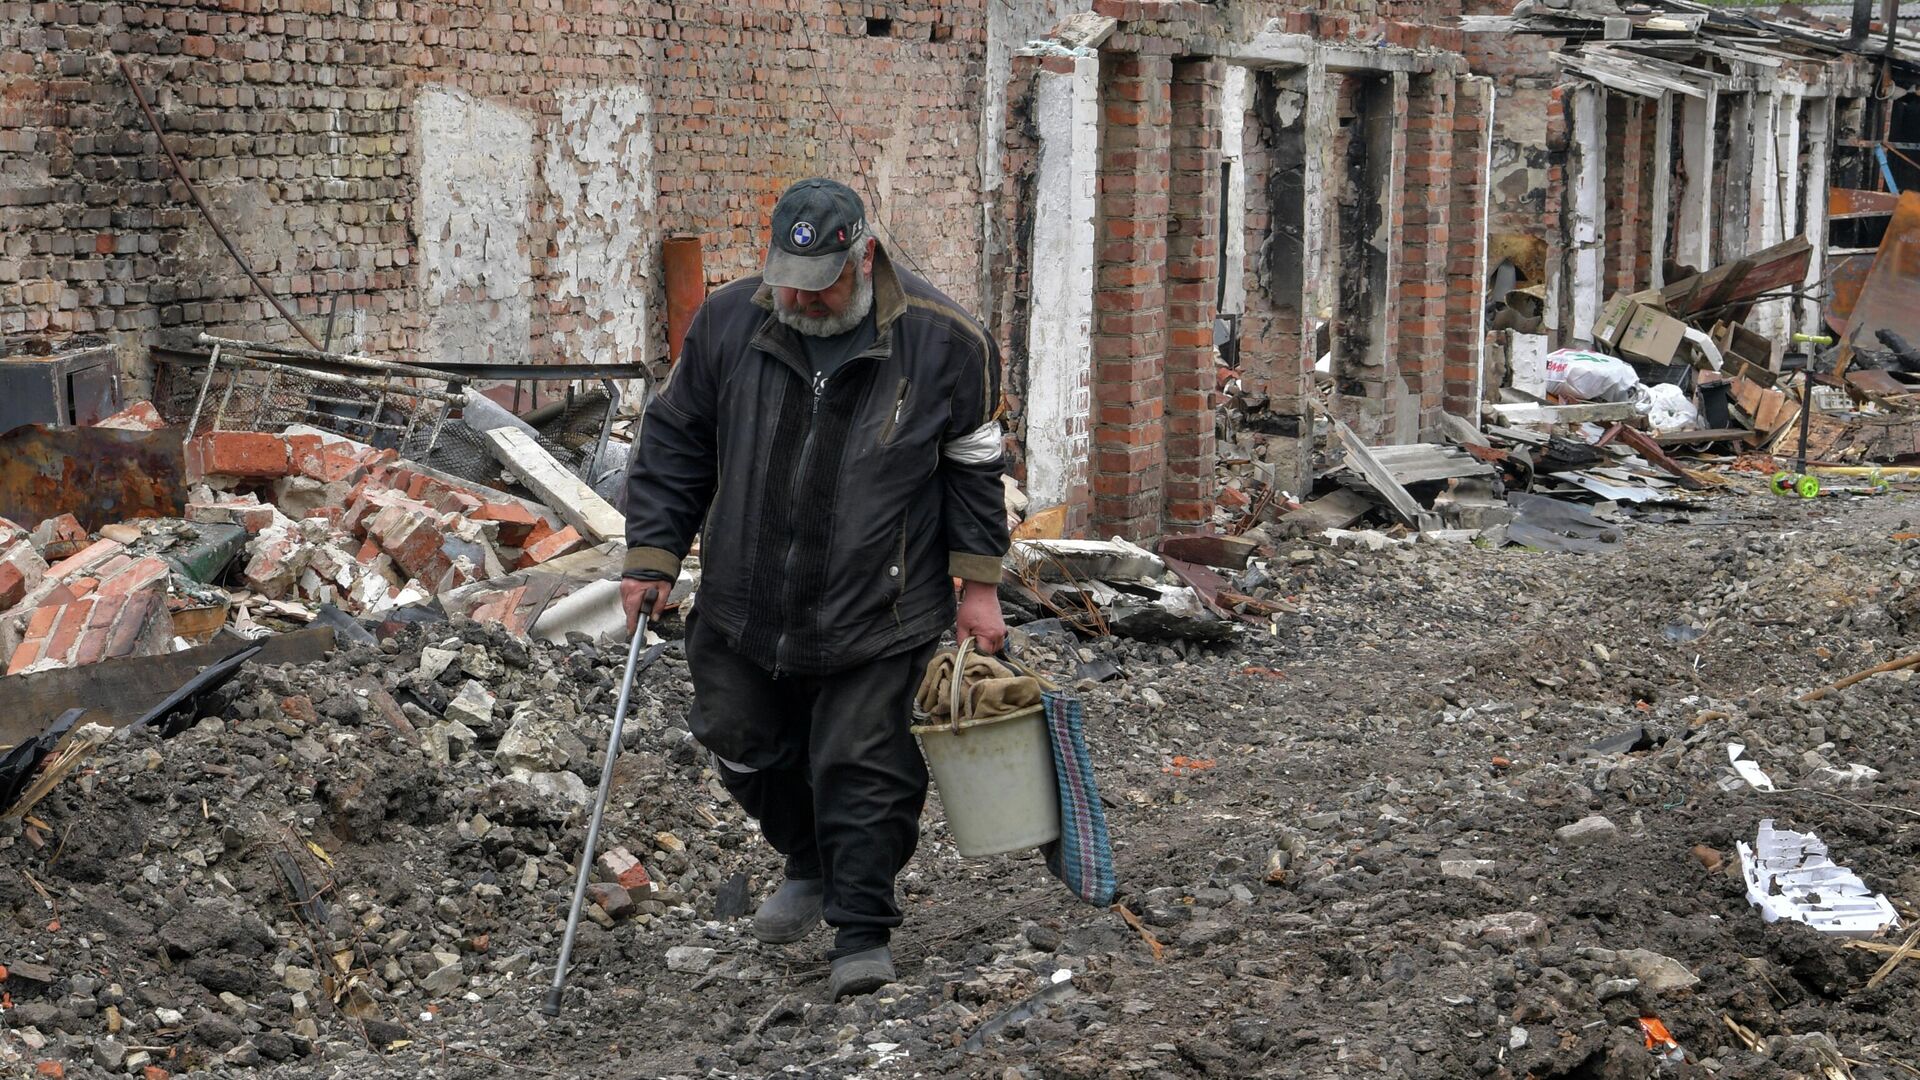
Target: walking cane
(552, 1005)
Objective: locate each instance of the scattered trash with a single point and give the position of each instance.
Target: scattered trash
(1660, 1042)
(1749, 770)
(1790, 876)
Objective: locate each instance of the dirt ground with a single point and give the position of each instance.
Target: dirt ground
(1344, 837)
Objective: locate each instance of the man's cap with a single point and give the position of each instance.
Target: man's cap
(815, 224)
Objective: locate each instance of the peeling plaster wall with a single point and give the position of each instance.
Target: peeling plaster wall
(1060, 321)
(475, 174)
(599, 176)
(1010, 24)
(1233, 118)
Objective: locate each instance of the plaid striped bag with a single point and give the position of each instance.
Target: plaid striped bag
(1083, 856)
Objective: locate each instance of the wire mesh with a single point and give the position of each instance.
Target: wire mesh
(239, 390)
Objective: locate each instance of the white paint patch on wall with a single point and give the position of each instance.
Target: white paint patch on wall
(599, 173)
(476, 175)
(1060, 320)
(1233, 122)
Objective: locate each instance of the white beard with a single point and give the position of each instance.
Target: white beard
(858, 304)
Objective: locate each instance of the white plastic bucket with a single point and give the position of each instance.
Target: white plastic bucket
(996, 781)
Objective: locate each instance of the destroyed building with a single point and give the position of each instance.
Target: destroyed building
(1460, 453)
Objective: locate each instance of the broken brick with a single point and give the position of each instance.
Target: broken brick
(13, 585)
(140, 574)
(139, 416)
(620, 866)
(516, 521)
(561, 543)
(241, 454)
(58, 537)
(611, 898)
(20, 558)
(87, 558)
(245, 511)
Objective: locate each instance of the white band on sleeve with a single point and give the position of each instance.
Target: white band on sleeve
(980, 446)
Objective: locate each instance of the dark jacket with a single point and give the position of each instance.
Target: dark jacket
(833, 523)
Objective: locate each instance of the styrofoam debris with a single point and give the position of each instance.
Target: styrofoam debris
(1790, 876)
(1749, 771)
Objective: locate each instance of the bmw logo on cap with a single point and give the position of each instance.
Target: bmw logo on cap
(803, 234)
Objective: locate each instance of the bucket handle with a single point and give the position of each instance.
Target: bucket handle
(957, 693)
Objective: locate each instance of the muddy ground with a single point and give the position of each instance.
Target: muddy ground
(1344, 836)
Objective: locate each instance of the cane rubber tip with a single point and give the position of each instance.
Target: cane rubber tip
(551, 1006)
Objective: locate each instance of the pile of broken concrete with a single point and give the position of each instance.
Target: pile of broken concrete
(290, 523)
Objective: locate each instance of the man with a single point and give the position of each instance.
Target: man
(833, 424)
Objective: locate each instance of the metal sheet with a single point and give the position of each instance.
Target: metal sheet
(99, 475)
(1889, 299)
(1843, 202)
(1845, 275)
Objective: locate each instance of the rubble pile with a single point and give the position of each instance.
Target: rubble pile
(275, 527)
(1469, 812)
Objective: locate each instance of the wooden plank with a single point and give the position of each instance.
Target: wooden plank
(1776, 267)
(1048, 524)
(118, 692)
(1688, 438)
(568, 495)
(1600, 412)
(1231, 552)
(1379, 478)
(1876, 383)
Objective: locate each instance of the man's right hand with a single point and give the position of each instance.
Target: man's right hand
(648, 596)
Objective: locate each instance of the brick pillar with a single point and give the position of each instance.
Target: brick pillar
(1130, 317)
(1426, 217)
(1627, 126)
(1466, 253)
(1193, 284)
(1283, 166)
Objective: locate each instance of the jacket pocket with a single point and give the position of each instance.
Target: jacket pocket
(899, 410)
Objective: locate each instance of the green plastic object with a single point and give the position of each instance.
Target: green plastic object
(1807, 487)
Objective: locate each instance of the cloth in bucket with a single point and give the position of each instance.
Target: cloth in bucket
(1083, 856)
(987, 688)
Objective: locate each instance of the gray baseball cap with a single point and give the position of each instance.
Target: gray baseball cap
(815, 224)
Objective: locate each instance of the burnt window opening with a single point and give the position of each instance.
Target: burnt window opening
(881, 27)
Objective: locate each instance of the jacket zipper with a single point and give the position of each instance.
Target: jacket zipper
(819, 384)
(899, 410)
(800, 475)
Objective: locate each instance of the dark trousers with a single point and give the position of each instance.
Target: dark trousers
(837, 782)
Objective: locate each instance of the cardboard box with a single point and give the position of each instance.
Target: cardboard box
(1611, 324)
(1652, 336)
(1612, 320)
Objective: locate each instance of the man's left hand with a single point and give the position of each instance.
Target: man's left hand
(980, 617)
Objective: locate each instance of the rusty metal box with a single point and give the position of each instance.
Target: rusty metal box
(78, 385)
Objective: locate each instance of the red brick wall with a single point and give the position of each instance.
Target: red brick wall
(1467, 263)
(1130, 299)
(295, 117)
(1426, 222)
(1193, 249)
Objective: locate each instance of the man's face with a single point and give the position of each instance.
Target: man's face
(831, 301)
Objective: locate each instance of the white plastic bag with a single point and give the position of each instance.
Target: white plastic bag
(1590, 376)
(1671, 409)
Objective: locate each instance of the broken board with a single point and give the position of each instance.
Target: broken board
(1421, 463)
(118, 692)
(1381, 479)
(1231, 552)
(567, 494)
(1335, 510)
